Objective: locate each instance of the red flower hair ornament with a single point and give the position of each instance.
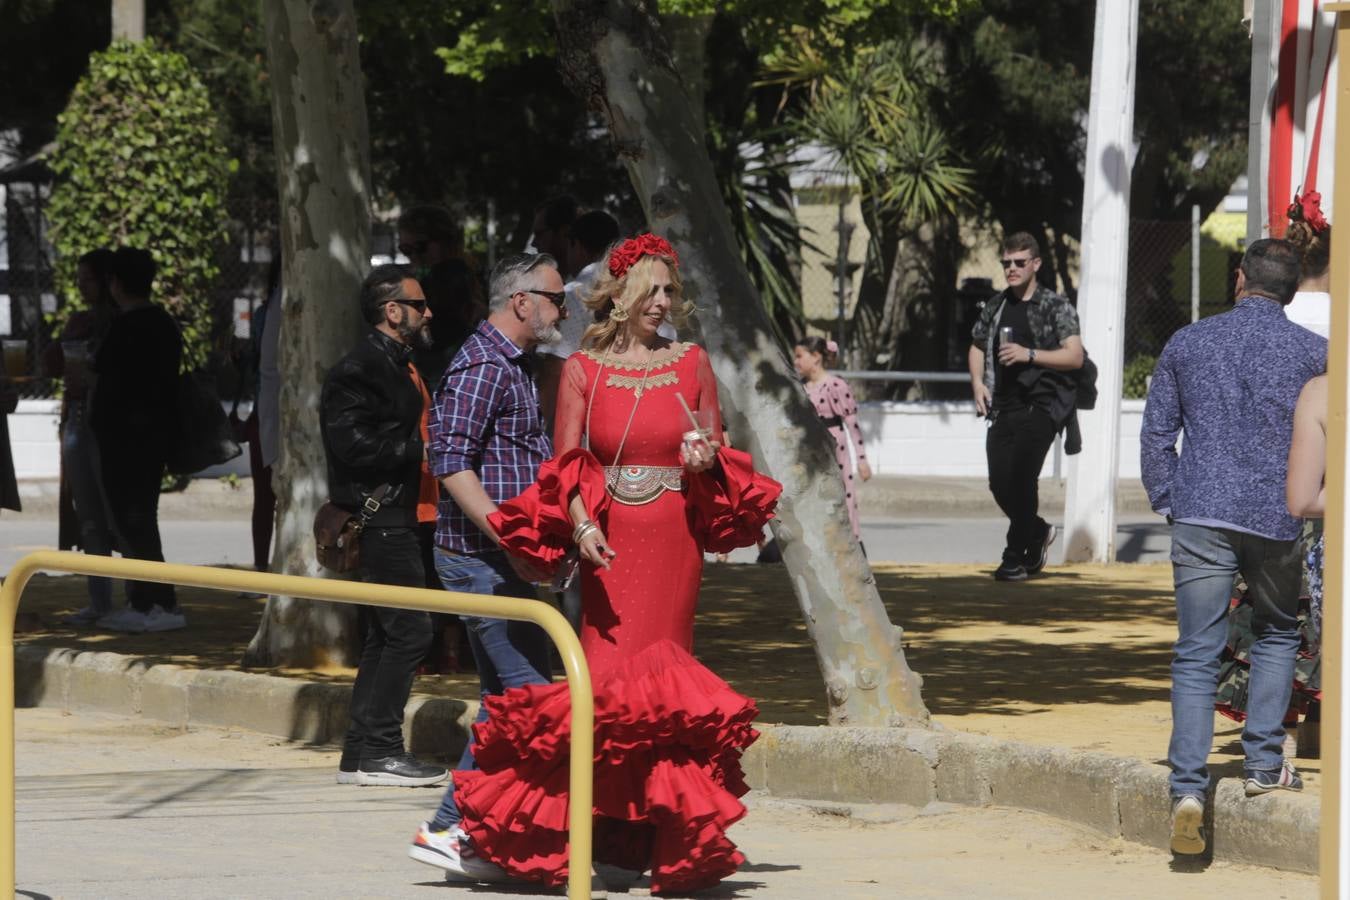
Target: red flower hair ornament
(622, 257)
(1308, 208)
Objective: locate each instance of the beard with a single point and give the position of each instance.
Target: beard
(419, 337)
(543, 332)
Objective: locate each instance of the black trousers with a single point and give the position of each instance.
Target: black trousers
(1015, 446)
(131, 483)
(395, 641)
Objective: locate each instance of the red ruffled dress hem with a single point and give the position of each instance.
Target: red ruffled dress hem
(668, 741)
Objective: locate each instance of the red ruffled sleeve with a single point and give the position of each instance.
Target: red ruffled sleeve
(536, 525)
(731, 510)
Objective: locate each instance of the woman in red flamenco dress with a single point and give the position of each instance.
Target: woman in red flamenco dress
(640, 496)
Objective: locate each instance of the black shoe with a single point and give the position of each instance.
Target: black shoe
(347, 772)
(1034, 558)
(1010, 572)
(404, 770)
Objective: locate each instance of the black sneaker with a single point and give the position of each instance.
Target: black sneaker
(404, 770)
(1010, 572)
(1034, 558)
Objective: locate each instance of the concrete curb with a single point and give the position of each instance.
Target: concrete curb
(1116, 796)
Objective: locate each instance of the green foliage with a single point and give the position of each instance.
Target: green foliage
(1135, 384)
(139, 163)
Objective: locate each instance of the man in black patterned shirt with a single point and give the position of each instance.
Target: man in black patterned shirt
(1022, 329)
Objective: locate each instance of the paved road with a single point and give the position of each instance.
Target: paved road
(907, 540)
(111, 807)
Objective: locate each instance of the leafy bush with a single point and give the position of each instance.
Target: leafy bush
(139, 163)
(1136, 375)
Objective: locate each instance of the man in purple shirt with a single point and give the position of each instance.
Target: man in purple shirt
(1230, 382)
(487, 442)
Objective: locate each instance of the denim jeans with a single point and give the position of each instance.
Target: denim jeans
(80, 463)
(508, 654)
(1204, 563)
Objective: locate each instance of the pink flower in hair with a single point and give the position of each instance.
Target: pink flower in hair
(831, 346)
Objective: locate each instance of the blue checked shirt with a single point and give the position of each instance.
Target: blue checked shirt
(485, 418)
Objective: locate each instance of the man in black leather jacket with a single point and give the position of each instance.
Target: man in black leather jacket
(373, 415)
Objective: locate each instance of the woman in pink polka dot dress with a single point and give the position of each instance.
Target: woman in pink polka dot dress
(835, 405)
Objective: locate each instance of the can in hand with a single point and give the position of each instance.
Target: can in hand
(1005, 335)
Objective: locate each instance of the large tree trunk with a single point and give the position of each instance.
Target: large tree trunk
(323, 174)
(614, 55)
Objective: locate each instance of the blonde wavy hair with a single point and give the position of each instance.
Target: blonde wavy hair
(628, 293)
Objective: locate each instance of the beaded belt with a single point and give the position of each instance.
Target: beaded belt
(636, 485)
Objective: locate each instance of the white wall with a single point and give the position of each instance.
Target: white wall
(33, 439)
(945, 438)
(940, 438)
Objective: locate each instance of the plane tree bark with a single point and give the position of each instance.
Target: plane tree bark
(323, 173)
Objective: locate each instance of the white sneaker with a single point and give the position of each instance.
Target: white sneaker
(127, 619)
(451, 851)
(85, 617)
(1188, 835)
(160, 619)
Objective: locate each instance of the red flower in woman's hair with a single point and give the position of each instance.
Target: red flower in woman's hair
(1308, 208)
(622, 257)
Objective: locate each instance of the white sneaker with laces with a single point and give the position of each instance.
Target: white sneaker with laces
(451, 851)
(160, 619)
(85, 617)
(1188, 834)
(126, 619)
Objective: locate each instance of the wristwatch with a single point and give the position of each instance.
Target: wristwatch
(1031, 356)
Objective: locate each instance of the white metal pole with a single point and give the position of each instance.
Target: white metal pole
(128, 20)
(1090, 508)
(1195, 262)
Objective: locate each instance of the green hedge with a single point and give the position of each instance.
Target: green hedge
(1135, 386)
(139, 162)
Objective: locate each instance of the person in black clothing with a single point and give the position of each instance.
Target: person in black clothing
(1022, 332)
(373, 414)
(434, 244)
(133, 415)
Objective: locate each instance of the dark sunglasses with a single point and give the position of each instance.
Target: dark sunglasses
(557, 298)
(413, 249)
(1020, 263)
(419, 305)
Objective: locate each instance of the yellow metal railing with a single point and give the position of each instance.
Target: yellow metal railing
(543, 615)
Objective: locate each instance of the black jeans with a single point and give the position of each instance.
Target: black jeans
(131, 482)
(1015, 446)
(395, 641)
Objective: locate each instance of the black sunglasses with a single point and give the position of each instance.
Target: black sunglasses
(410, 249)
(419, 305)
(557, 298)
(1020, 263)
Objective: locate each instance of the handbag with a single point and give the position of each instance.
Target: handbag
(202, 436)
(337, 531)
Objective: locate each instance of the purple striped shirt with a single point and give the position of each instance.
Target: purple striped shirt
(485, 418)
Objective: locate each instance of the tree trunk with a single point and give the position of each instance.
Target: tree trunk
(613, 54)
(323, 175)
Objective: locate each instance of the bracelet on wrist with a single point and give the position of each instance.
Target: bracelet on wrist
(583, 529)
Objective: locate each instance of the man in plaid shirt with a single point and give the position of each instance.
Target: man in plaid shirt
(487, 441)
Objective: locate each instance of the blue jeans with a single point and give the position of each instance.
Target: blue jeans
(80, 462)
(508, 654)
(1204, 563)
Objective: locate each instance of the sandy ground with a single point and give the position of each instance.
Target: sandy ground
(1077, 658)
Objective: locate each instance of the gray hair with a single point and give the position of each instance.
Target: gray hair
(509, 274)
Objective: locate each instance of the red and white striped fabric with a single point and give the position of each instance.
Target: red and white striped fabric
(1299, 126)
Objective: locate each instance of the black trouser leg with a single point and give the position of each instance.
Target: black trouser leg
(395, 642)
(131, 484)
(1016, 446)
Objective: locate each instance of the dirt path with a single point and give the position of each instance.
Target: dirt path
(1076, 659)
